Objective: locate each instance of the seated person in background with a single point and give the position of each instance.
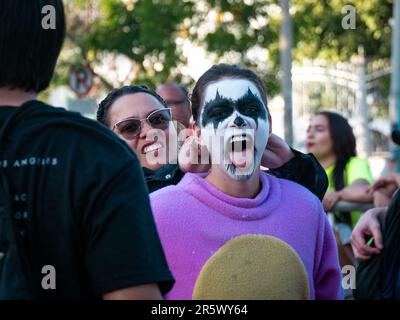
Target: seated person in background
(223, 231)
(330, 138)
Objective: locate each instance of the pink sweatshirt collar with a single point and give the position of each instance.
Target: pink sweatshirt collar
(235, 208)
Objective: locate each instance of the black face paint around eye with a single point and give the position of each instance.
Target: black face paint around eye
(251, 106)
(217, 110)
(220, 108)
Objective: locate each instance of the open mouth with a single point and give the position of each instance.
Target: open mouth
(241, 150)
(239, 143)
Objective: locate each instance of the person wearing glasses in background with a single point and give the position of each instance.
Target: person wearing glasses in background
(177, 98)
(133, 111)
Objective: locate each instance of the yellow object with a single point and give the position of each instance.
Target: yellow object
(253, 267)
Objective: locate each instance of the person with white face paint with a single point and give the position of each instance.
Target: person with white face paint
(235, 127)
(237, 232)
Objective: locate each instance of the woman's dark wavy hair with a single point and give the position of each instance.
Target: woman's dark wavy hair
(218, 72)
(104, 106)
(344, 145)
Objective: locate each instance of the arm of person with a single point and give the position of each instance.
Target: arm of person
(359, 177)
(381, 198)
(390, 183)
(142, 292)
(356, 192)
(383, 189)
(368, 225)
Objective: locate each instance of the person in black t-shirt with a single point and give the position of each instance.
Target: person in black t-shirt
(134, 113)
(77, 195)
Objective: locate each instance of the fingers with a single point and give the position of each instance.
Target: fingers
(277, 153)
(380, 183)
(360, 248)
(192, 154)
(396, 178)
(273, 138)
(360, 256)
(370, 190)
(375, 229)
(367, 226)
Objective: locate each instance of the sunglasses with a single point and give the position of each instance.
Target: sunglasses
(130, 128)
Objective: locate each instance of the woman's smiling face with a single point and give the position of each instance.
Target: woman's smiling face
(235, 126)
(140, 105)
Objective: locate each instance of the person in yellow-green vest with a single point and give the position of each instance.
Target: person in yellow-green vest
(330, 138)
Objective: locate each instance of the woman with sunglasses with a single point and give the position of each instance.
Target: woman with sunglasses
(132, 111)
(135, 112)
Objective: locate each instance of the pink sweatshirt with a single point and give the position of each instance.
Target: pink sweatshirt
(195, 219)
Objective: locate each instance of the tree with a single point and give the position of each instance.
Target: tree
(143, 32)
(240, 31)
(318, 31)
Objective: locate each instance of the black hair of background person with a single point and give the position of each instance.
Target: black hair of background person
(344, 145)
(28, 53)
(104, 106)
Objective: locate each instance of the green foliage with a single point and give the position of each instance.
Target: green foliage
(319, 32)
(146, 30)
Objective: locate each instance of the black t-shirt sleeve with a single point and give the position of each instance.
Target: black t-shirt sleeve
(305, 170)
(122, 244)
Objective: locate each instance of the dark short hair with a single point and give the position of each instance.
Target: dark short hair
(28, 52)
(218, 72)
(104, 106)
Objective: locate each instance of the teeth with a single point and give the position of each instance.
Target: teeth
(152, 147)
(240, 138)
(236, 139)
